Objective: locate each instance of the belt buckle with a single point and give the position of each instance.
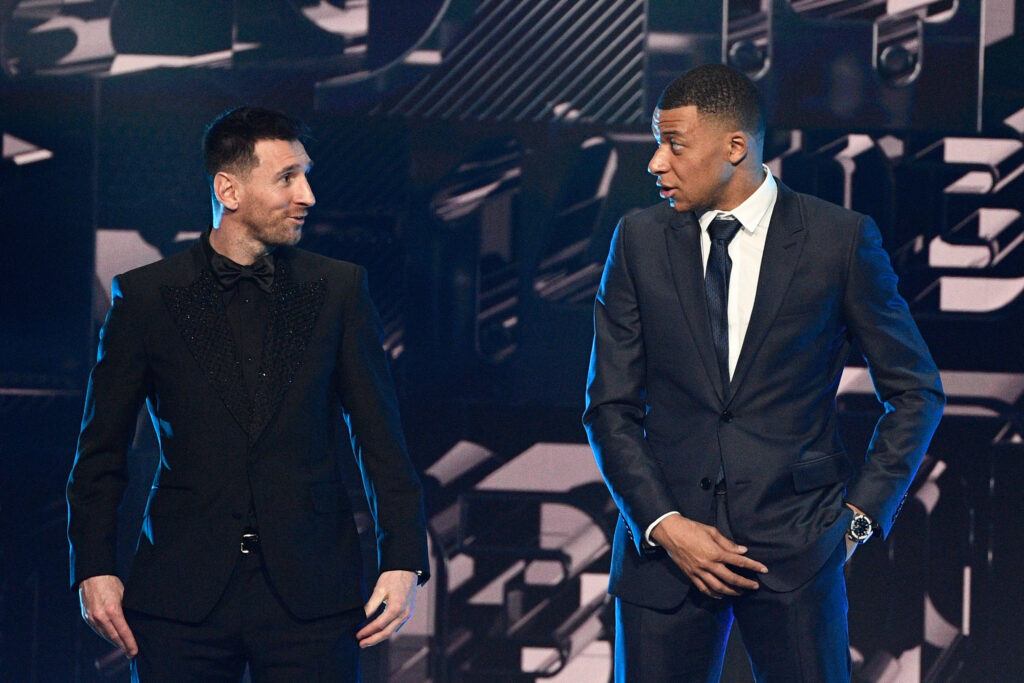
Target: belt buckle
(250, 540)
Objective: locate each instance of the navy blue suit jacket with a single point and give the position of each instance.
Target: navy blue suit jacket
(660, 421)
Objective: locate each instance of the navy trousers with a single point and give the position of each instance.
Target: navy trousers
(799, 636)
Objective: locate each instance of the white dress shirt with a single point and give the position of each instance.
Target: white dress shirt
(745, 251)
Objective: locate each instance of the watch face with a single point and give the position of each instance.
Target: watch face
(860, 528)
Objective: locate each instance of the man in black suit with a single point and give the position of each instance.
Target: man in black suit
(723, 322)
(244, 348)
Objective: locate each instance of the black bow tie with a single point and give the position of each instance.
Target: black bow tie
(228, 273)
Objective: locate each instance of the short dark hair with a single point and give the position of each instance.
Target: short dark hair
(718, 91)
(230, 140)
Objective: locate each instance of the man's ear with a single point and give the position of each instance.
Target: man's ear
(738, 146)
(225, 187)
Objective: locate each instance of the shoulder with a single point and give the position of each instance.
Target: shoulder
(308, 265)
(178, 269)
(817, 211)
(656, 217)
(638, 231)
(838, 237)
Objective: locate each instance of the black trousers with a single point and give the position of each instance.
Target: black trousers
(800, 636)
(249, 625)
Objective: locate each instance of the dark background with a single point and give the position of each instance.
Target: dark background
(475, 155)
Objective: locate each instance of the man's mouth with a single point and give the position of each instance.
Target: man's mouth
(665, 192)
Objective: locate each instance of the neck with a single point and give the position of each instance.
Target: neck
(742, 185)
(236, 245)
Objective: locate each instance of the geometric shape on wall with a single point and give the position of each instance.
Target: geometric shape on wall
(968, 394)
(118, 251)
(539, 61)
(978, 294)
(983, 239)
(22, 152)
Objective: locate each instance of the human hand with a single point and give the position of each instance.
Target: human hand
(705, 555)
(396, 590)
(100, 597)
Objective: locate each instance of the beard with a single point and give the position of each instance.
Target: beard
(279, 234)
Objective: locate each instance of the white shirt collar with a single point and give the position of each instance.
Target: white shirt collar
(755, 210)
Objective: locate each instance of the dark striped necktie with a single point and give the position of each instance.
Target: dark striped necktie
(716, 287)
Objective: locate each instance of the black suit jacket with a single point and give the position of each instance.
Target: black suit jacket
(167, 340)
(661, 424)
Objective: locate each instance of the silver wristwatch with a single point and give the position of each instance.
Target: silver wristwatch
(861, 528)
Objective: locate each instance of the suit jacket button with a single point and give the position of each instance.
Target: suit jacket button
(705, 483)
(726, 416)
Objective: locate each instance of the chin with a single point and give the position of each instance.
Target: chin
(284, 238)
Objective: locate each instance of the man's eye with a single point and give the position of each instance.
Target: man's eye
(676, 146)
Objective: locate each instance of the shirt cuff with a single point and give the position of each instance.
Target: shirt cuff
(647, 534)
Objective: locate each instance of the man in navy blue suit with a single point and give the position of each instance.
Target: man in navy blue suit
(722, 325)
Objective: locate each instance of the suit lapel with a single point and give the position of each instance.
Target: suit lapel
(294, 307)
(683, 247)
(198, 311)
(782, 249)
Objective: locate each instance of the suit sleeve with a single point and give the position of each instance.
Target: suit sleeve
(117, 386)
(616, 406)
(904, 375)
(371, 410)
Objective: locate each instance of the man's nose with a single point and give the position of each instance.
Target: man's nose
(304, 194)
(656, 166)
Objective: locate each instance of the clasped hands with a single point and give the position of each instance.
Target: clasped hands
(101, 596)
(706, 556)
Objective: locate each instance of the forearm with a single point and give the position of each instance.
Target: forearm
(95, 487)
(371, 408)
(630, 472)
(895, 452)
(904, 376)
(616, 390)
(117, 385)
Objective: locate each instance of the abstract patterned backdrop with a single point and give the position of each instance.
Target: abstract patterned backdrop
(475, 155)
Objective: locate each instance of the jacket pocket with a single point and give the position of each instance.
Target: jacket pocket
(816, 469)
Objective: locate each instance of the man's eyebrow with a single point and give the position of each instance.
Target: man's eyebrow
(296, 167)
